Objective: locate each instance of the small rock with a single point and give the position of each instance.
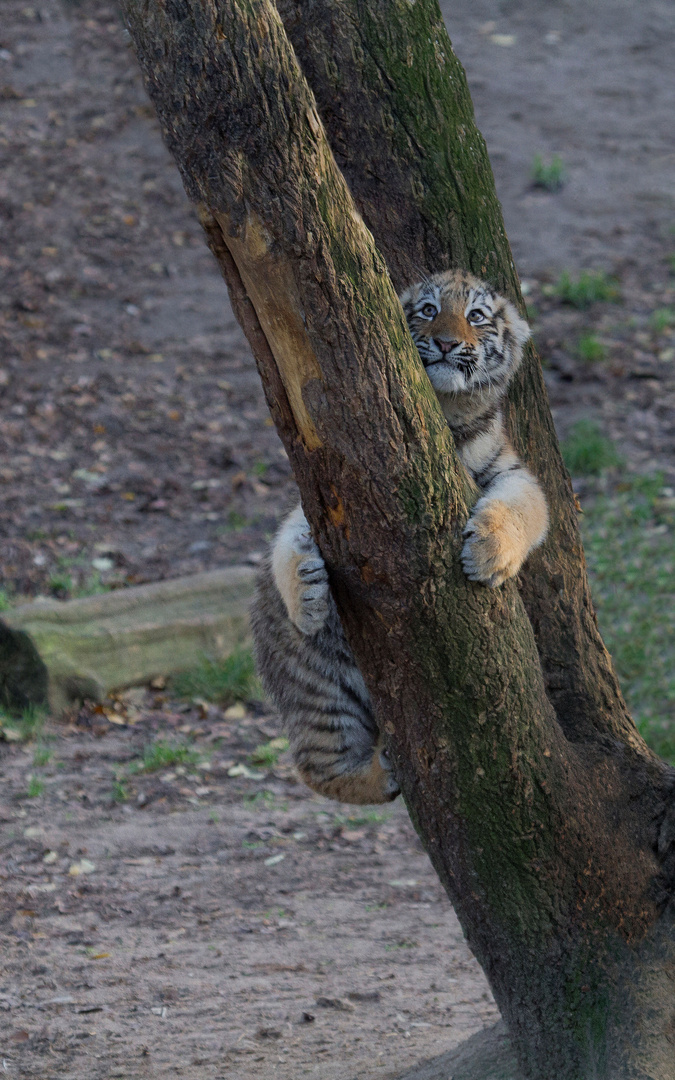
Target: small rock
(235, 712)
(243, 770)
(84, 866)
(365, 995)
(198, 546)
(274, 859)
(102, 563)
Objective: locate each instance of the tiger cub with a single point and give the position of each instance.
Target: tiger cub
(470, 340)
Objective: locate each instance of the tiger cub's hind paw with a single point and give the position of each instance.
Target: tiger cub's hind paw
(312, 596)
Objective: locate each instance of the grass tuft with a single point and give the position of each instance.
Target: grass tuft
(61, 585)
(590, 350)
(267, 754)
(35, 788)
(586, 451)
(42, 756)
(589, 288)
(261, 800)
(161, 755)
(223, 681)
(29, 725)
(5, 602)
(662, 319)
(550, 175)
(120, 793)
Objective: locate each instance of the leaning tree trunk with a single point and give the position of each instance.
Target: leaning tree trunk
(539, 804)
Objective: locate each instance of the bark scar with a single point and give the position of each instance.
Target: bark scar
(270, 284)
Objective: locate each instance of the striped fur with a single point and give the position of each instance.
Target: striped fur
(470, 340)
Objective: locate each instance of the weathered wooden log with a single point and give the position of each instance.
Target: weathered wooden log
(90, 646)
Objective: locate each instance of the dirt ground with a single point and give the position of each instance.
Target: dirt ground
(223, 927)
(135, 445)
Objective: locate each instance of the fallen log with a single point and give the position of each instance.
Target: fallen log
(123, 638)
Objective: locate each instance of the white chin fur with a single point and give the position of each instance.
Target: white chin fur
(446, 379)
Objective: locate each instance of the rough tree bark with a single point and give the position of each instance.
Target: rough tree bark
(546, 817)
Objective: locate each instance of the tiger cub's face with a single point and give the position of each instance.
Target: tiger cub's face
(469, 337)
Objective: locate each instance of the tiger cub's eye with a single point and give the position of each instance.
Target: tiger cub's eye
(476, 316)
(429, 311)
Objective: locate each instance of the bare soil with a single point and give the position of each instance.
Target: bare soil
(221, 926)
(133, 432)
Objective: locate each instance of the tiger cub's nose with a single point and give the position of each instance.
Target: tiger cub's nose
(445, 344)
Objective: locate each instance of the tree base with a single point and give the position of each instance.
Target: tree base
(485, 1056)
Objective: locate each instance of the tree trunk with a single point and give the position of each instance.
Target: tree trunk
(398, 114)
(537, 801)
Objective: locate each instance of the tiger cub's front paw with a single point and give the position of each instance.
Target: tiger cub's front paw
(495, 545)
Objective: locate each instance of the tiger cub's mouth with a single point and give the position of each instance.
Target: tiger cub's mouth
(466, 362)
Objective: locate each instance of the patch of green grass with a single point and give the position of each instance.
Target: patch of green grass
(662, 319)
(589, 288)
(29, 725)
(120, 793)
(35, 788)
(267, 754)
(629, 539)
(42, 756)
(92, 586)
(5, 602)
(550, 175)
(586, 451)
(259, 468)
(161, 755)
(74, 577)
(223, 681)
(590, 350)
(60, 584)
(260, 798)
(235, 521)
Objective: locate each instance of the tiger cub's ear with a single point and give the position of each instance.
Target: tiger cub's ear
(516, 324)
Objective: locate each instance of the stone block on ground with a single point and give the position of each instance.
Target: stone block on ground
(129, 636)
